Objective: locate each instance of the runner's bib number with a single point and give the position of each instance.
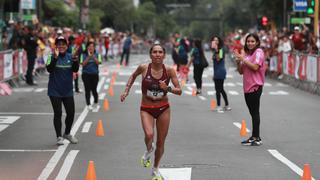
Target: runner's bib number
(154, 93)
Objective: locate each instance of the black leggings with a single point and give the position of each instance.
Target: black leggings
(197, 76)
(253, 103)
(90, 82)
(68, 103)
(218, 84)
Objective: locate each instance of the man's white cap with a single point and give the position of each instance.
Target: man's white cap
(59, 31)
(297, 28)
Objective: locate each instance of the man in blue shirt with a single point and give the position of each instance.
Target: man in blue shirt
(126, 49)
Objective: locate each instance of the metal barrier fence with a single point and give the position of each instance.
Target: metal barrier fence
(12, 64)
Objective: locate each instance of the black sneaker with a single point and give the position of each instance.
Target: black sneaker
(256, 142)
(248, 142)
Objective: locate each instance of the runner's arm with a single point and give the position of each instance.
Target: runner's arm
(174, 79)
(131, 80)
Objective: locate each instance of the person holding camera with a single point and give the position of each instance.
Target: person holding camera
(251, 64)
(220, 73)
(90, 61)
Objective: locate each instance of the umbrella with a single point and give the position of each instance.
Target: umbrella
(107, 30)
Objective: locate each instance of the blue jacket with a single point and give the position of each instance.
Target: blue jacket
(219, 69)
(61, 75)
(91, 67)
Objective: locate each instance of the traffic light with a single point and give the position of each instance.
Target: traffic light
(310, 9)
(264, 21)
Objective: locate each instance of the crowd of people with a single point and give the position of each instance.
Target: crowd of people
(300, 39)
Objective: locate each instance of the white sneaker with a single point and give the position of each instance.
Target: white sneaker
(220, 109)
(146, 158)
(156, 175)
(60, 141)
(227, 108)
(95, 106)
(71, 138)
(89, 107)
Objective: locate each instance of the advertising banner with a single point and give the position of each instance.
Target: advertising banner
(312, 68)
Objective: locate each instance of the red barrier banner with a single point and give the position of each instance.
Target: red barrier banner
(15, 67)
(1, 67)
(291, 59)
(279, 68)
(303, 67)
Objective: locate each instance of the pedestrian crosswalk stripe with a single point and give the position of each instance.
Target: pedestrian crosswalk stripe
(233, 92)
(278, 93)
(211, 93)
(176, 173)
(40, 89)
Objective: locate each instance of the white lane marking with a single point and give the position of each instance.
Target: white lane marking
(101, 96)
(101, 82)
(230, 84)
(57, 155)
(125, 73)
(52, 162)
(211, 93)
(30, 113)
(233, 92)
(138, 91)
(229, 76)
(202, 98)
(67, 164)
(23, 89)
(8, 119)
(3, 127)
(27, 150)
(239, 126)
(286, 161)
(281, 85)
(40, 89)
(278, 93)
(190, 88)
(122, 83)
(96, 109)
(176, 173)
(86, 127)
(267, 84)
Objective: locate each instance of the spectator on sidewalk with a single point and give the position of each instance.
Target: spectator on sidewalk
(30, 46)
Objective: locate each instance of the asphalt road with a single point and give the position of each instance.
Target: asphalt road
(201, 142)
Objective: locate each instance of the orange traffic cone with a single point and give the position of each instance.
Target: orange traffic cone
(111, 91)
(213, 104)
(99, 130)
(194, 92)
(306, 172)
(106, 105)
(91, 173)
(243, 130)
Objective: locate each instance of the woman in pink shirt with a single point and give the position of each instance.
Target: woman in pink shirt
(251, 64)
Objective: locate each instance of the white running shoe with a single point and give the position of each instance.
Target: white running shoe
(156, 175)
(227, 108)
(146, 158)
(89, 107)
(220, 109)
(71, 138)
(60, 141)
